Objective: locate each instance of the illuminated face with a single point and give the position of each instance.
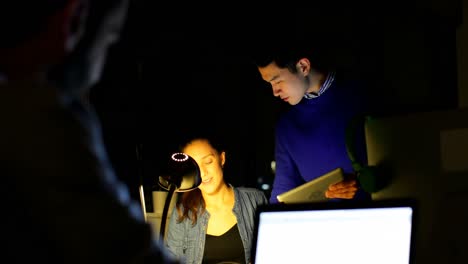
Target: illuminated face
(86, 63)
(289, 87)
(107, 33)
(210, 162)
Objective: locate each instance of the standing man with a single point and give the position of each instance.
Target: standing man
(62, 202)
(310, 137)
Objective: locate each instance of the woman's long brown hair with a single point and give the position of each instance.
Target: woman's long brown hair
(191, 202)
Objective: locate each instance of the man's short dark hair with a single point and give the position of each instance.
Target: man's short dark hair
(286, 51)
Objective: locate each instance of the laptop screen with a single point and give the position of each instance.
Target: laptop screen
(334, 232)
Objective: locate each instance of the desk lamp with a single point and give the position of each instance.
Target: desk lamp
(182, 175)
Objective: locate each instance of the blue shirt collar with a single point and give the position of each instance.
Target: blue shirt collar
(326, 84)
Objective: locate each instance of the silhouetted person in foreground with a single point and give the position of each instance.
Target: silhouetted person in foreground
(61, 200)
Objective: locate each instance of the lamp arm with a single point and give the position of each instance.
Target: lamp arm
(165, 210)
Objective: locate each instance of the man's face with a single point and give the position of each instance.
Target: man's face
(289, 87)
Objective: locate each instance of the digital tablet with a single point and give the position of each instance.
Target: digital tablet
(312, 191)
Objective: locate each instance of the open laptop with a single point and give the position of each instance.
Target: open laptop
(335, 232)
(312, 191)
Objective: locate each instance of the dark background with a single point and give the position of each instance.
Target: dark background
(179, 67)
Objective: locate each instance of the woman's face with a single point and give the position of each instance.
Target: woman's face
(210, 162)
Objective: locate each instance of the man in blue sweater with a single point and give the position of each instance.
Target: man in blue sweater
(310, 137)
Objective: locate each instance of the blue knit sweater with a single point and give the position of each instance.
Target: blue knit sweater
(310, 138)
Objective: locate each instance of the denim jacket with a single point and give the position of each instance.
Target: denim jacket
(187, 242)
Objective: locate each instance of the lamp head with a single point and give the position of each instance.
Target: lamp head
(182, 173)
